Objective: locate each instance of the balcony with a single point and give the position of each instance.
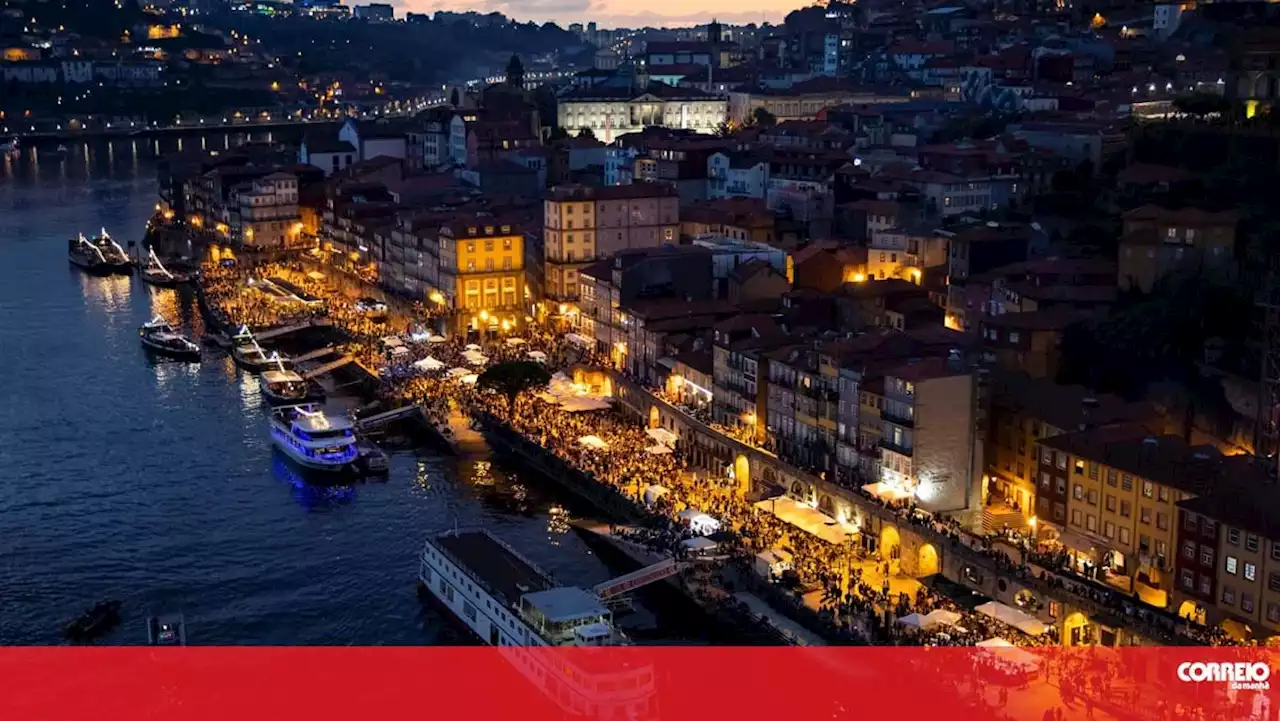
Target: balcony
(889, 445)
(897, 419)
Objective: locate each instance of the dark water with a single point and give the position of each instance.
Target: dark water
(155, 483)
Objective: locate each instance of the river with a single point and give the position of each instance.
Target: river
(154, 482)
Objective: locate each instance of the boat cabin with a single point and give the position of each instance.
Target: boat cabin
(568, 616)
(285, 383)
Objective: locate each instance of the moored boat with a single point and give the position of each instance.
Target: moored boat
(167, 630)
(283, 387)
(116, 260)
(87, 256)
(94, 623)
(154, 273)
(160, 338)
(250, 356)
(10, 147)
(313, 439)
(509, 602)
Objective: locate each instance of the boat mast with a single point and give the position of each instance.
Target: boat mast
(157, 264)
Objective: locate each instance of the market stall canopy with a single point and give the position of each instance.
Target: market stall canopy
(472, 346)
(392, 342)
(537, 355)
(399, 351)
(576, 339)
(663, 436)
(459, 372)
(470, 379)
(657, 450)
(701, 544)
(886, 492)
(1013, 617)
(653, 493)
(806, 518)
(583, 404)
(593, 442)
(515, 341)
(436, 339)
(1010, 654)
(914, 620)
(428, 364)
(698, 521)
(943, 617)
(475, 358)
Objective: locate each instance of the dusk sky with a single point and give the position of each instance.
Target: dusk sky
(616, 13)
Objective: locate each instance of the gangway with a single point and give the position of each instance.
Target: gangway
(665, 568)
(318, 353)
(381, 419)
(328, 367)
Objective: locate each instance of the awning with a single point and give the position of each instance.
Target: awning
(806, 518)
(475, 358)
(436, 339)
(472, 346)
(459, 372)
(399, 351)
(943, 617)
(886, 491)
(658, 450)
(667, 362)
(392, 342)
(1011, 654)
(537, 355)
(663, 436)
(1070, 539)
(593, 442)
(515, 341)
(913, 620)
(428, 364)
(1013, 617)
(577, 339)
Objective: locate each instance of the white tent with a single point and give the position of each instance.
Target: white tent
(593, 442)
(886, 492)
(1013, 617)
(577, 339)
(472, 346)
(428, 364)
(1010, 654)
(436, 339)
(392, 342)
(772, 562)
(475, 358)
(943, 617)
(653, 493)
(806, 518)
(515, 341)
(663, 436)
(698, 521)
(459, 372)
(658, 449)
(701, 544)
(399, 350)
(470, 379)
(581, 404)
(537, 355)
(914, 620)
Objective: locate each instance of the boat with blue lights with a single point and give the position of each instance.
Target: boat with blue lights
(313, 439)
(159, 337)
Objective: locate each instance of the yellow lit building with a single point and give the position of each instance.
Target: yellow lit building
(482, 274)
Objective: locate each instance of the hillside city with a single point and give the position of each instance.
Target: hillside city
(931, 297)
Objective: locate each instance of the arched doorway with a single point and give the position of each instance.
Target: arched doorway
(799, 491)
(1192, 612)
(742, 472)
(927, 561)
(826, 505)
(890, 542)
(1076, 630)
(654, 419)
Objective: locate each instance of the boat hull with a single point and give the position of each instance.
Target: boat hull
(253, 365)
(91, 267)
(277, 399)
(192, 354)
(311, 465)
(164, 282)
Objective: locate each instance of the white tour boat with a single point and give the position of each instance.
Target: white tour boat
(508, 602)
(313, 439)
(159, 337)
(250, 356)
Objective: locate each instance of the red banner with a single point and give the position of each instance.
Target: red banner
(780, 684)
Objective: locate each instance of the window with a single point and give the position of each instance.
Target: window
(1111, 503)
(1189, 550)
(1246, 602)
(1208, 527)
(1275, 551)
(1188, 580)
(1273, 581)
(1251, 543)
(1061, 483)
(1144, 515)
(1232, 564)
(1228, 595)
(1079, 467)
(1163, 493)
(1126, 482)
(1126, 509)
(1148, 489)
(1079, 492)
(1206, 556)
(1109, 529)
(1013, 336)
(1093, 471)
(1162, 521)
(1044, 480)
(1111, 477)
(1125, 537)
(1273, 612)
(1188, 521)
(1250, 572)
(1061, 459)
(1233, 537)
(1046, 456)
(1091, 523)
(1075, 517)
(1206, 585)
(469, 610)
(1093, 498)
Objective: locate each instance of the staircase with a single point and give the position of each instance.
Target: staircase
(995, 518)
